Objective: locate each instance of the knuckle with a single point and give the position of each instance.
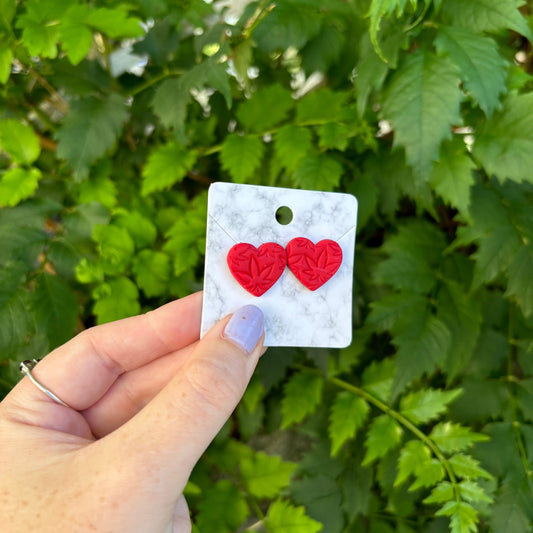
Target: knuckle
(216, 383)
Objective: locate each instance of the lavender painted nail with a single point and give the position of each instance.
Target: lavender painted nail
(245, 327)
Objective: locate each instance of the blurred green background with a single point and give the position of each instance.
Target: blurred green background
(116, 117)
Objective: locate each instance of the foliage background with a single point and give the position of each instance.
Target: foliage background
(116, 117)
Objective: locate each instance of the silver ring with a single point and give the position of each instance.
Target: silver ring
(26, 367)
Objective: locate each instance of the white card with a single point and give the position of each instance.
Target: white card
(294, 314)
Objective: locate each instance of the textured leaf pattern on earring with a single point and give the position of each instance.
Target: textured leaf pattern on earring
(313, 264)
(257, 269)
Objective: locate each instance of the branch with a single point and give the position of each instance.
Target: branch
(397, 416)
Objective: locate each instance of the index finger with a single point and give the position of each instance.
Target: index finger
(82, 370)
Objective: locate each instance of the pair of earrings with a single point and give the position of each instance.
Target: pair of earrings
(258, 269)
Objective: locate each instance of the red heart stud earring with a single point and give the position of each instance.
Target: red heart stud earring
(313, 264)
(257, 269)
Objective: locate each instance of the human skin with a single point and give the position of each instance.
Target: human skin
(146, 397)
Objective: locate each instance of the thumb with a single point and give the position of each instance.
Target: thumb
(166, 438)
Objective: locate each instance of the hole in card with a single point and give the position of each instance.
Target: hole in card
(284, 215)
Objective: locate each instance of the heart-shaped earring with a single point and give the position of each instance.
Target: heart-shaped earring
(257, 269)
(313, 264)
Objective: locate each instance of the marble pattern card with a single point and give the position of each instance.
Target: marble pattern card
(299, 273)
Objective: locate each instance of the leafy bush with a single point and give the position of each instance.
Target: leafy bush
(116, 117)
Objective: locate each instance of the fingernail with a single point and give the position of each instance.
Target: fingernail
(245, 327)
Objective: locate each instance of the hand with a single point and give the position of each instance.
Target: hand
(146, 398)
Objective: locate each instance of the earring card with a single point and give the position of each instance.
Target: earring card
(299, 273)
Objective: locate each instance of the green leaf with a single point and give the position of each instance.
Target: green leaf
(495, 235)
(504, 144)
(242, 58)
(482, 68)
(6, 58)
(422, 344)
(422, 101)
(319, 462)
(473, 493)
(282, 517)
(115, 22)
(217, 77)
(89, 272)
(452, 175)
(371, 69)
(356, 484)
(100, 189)
(317, 171)
(172, 96)
(191, 489)
(16, 320)
(461, 313)
(520, 280)
(498, 454)
(250, 422)
(64, 256)
(487, 15)
(8, 9)
(425, 405)
(39, 37)
(493, 347)
(21, 243)
(509, 517)
(266, 108)
(229, 454)
(17, 323)
(19, 141)
(414, 254)
(450, 437)
(463, 517)
(416, 460)
(443, 492)
(387, 311)
(495, 394)
(167, 164)
(322, 105)
(383, 435)
(291, 144)
(170, 102)
(56, 308)
(377, 378)
(378, 10)
(152, 272)
(186, 237)
(348, 357)
(467, 467)
(266, 475)
(90, 129)
(333, 135)
(17, 184)
(222, 508)
(322, 498)
(115, 299)
(75, 36)
(80, 222)
(160, 41)
(141, 229)
(348, 414)
(115, 246)
(365, 189)
(288, 24)
(231, 156)
(255, 392)
(302, 396)
(525, 398)
(324, 49)
(412, 457)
